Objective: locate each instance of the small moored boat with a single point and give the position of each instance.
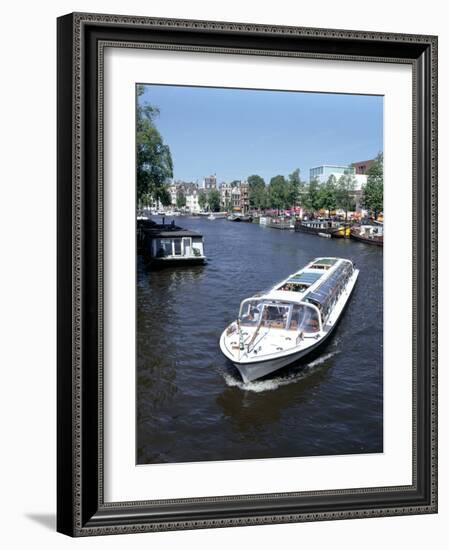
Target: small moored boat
(319, 227)
(278, 327)
(240, 218)
(369, 234)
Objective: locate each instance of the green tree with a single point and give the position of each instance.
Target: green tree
(312, 196)
(146, 200)
(257, 192)
(228, 204)
(278, 193)
(296, 188)
(213, 199)
(181, 200)
(162, 194)
(202, 199)
(345, 192)
(154, 161)
(373, 192)
(328, 194)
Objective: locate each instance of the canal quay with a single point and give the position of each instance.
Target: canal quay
(191, 402)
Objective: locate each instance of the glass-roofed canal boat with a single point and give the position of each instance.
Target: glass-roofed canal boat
(278, 327)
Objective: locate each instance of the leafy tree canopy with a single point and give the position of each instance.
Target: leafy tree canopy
(345, 192)
(312, 196)
(278, 192)
(295, 188)
(213, 200)
(255, 181)
(328, 194)
(373, 192)
(202, 199)
(154, 161)
(257, 192)
(181, 200)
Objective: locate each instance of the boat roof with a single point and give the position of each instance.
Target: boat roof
(166, 231)
(324, 291)
(176, 233)
(317, 281)
(305, 277)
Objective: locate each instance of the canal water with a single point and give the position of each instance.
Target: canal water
(191, 402)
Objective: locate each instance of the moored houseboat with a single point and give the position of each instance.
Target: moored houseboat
(217, 215)
(281, 222)
(168, 244)
(240, 218)
(369, 234)
(323, 226)
(278, 327)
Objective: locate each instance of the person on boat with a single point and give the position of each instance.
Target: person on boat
(254, 314)
(312, 325)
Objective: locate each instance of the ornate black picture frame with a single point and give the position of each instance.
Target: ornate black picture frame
(81, 509)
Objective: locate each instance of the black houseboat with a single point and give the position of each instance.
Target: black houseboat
(168, 244)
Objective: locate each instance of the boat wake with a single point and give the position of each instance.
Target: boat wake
(270, 384)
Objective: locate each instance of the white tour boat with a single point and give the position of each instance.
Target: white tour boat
(278, 327)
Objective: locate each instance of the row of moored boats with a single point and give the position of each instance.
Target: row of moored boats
(371, 233)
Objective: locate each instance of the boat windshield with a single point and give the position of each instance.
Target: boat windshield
(298, 317)
(266, 314)
(305, 319)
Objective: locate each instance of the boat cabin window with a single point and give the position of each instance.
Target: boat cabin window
(275, 316)
(250, 312)
(324, 263)
(294, 287)
(304, 319)
(271, 315)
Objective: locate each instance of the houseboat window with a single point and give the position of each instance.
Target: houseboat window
(187, 246)
(177, 247)
(304, 319)
(163, 248)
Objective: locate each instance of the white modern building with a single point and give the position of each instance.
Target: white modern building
(323, 173)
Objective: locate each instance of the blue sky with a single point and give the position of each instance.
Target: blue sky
(236, 133)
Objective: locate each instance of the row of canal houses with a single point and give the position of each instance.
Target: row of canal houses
(234, 196)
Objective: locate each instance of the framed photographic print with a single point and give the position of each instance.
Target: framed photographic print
(247, 282)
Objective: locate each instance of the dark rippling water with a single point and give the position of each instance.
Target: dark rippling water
(191, 402)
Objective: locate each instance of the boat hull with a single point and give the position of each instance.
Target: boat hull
(165, 262)
(247, 219)
(376, 241)
(253, 371)
(336, 232)
(343, 232)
